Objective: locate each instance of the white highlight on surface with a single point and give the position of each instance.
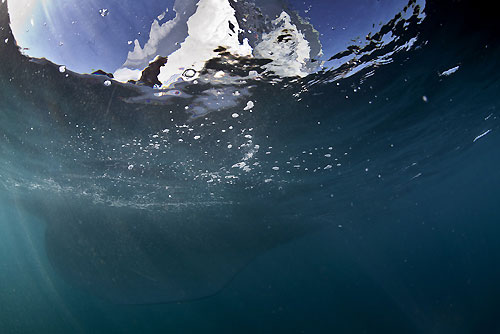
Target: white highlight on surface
(450, 71)
(107, 83)
(62, 69)
(481, 135)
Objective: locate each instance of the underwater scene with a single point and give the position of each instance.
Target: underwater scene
(249, 166)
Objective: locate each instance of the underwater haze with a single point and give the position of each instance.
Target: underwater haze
(249, 167)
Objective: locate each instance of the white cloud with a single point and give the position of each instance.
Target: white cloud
(125, 74)
(208, 29)
(289, 54)
(157, 34)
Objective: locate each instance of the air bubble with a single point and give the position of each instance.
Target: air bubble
(249, 105)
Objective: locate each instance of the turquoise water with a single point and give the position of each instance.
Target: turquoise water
(369, 203)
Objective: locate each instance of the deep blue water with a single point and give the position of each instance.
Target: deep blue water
(389, 224)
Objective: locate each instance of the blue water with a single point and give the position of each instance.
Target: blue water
(389, 224)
